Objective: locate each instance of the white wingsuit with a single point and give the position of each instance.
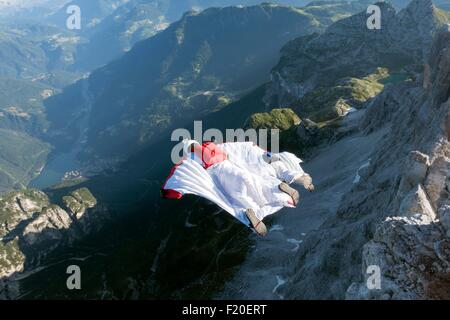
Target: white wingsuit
(243, 180)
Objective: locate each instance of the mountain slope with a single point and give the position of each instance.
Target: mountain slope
(118, 32)
(381, 200)
(140, 19)
(307, 62)
(34, 62)
(196, 65)
(315, 251)
(33, 226)
(32, 51)
(21, 159)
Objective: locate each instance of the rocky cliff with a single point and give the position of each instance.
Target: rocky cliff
(411, 245)
(382, 192)
(31, 227)
(349, 48)
(393, 212)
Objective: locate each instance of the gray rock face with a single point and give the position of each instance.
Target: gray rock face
(395, 213)
(48, 226)
(415, 170)
(416, 202)
(412, 245)
(395, 216)
(349, 48)
(308, 132)
(309, 135)
(32, 227)
(79, 201)
(444, 215)
(15, 208)
(409, 252)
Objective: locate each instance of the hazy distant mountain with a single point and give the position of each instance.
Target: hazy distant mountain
(29, 9)
(95, 10)
(197, 65)
(32, 51)
(111, 28)
(38, 59)
(92, 12)
(118, 32)
(16, 5)
(34, 61)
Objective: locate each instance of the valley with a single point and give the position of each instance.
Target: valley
(360, 107)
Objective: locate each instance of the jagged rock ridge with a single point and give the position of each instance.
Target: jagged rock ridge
(395, 215)
(349, 48)
(412, 245)
(31, 227)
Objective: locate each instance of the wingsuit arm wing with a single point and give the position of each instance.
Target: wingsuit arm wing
(170, 193)
(189, 177)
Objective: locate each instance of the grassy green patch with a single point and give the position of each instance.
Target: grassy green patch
(327, 103)
(281, 119)
(21, 157)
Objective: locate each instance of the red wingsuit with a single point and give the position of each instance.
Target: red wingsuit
(209, 153)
